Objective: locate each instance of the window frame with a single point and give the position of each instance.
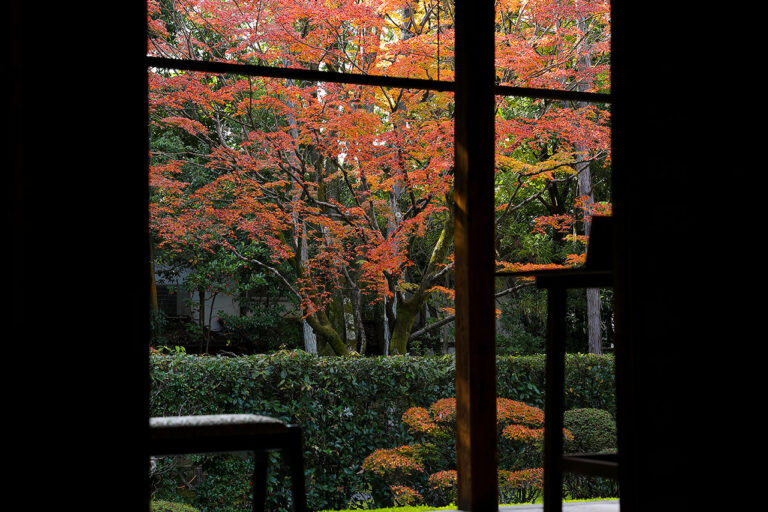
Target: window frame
(475, 88)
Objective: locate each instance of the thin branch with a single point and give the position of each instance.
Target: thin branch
(432, 326)
(442, 272)
(451, 318)
(519, 286)
(268, 267)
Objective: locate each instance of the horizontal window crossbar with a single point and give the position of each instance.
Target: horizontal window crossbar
(360, 79)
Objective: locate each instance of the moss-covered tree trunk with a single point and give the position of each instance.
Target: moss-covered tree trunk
(326, 332)
(408, 308)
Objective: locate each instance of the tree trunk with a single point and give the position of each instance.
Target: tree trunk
(406, 314)
(585, 189)
(445, 330)
(310, 340)
(154, 308)
(359, 327)
(210, 324)
(386, 329)
(593, 321)
(324, 329)
(593, 294)
(320, 323)
(408, 308)
(201, 313)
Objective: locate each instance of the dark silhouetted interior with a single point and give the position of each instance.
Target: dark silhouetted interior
(79, 248)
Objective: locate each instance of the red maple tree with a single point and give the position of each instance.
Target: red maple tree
(347, 187)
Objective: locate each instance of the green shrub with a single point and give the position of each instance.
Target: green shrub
(582, 487)
(263, 330)
(227, 485)
(168, 506)
(348, 406)
(594, 430)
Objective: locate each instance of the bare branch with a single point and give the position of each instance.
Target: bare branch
(432, 327)
(518, 286)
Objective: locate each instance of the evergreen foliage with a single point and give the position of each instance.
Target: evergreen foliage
(347, 406)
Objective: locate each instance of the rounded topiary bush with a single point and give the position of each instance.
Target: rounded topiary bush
(594, 430)
(168, 506)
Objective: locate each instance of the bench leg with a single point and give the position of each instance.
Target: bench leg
(295, 455)
(260, 462)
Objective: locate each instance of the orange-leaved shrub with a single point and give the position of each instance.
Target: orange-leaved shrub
(404, 496)
(520, 486)
(397, 464)
(442, 486)
(428, 466)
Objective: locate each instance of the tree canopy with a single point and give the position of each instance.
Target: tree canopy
(343, 192)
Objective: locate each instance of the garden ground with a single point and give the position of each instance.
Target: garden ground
(575, 506)
(593, 505)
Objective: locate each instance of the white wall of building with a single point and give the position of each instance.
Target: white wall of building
(214, 303)
(188, 303)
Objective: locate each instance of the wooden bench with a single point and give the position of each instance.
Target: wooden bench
(176, 435)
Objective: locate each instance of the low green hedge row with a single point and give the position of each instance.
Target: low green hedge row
(348, 407)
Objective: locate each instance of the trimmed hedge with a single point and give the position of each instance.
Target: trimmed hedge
(349, 406)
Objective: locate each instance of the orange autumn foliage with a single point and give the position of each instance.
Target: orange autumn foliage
(358, 176)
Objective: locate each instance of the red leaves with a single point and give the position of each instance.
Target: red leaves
(189, 125)
(533, 477)
(417, 419)
(520, 427)
(405, 496)
(561, 223)
(395, 463)
(443, 480)
(522, 434)
(505, 266)
(540, 42)
(508, 411)
(357, 174)
(576, 259)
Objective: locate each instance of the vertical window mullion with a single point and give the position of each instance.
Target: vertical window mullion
(474, 258)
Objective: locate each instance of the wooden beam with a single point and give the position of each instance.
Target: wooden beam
(474, 257)
(398, 82)
(602, 465)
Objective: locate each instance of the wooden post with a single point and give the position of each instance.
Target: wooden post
(554, 393)
(474, 258)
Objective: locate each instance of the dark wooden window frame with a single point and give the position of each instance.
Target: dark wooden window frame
(475, 89)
